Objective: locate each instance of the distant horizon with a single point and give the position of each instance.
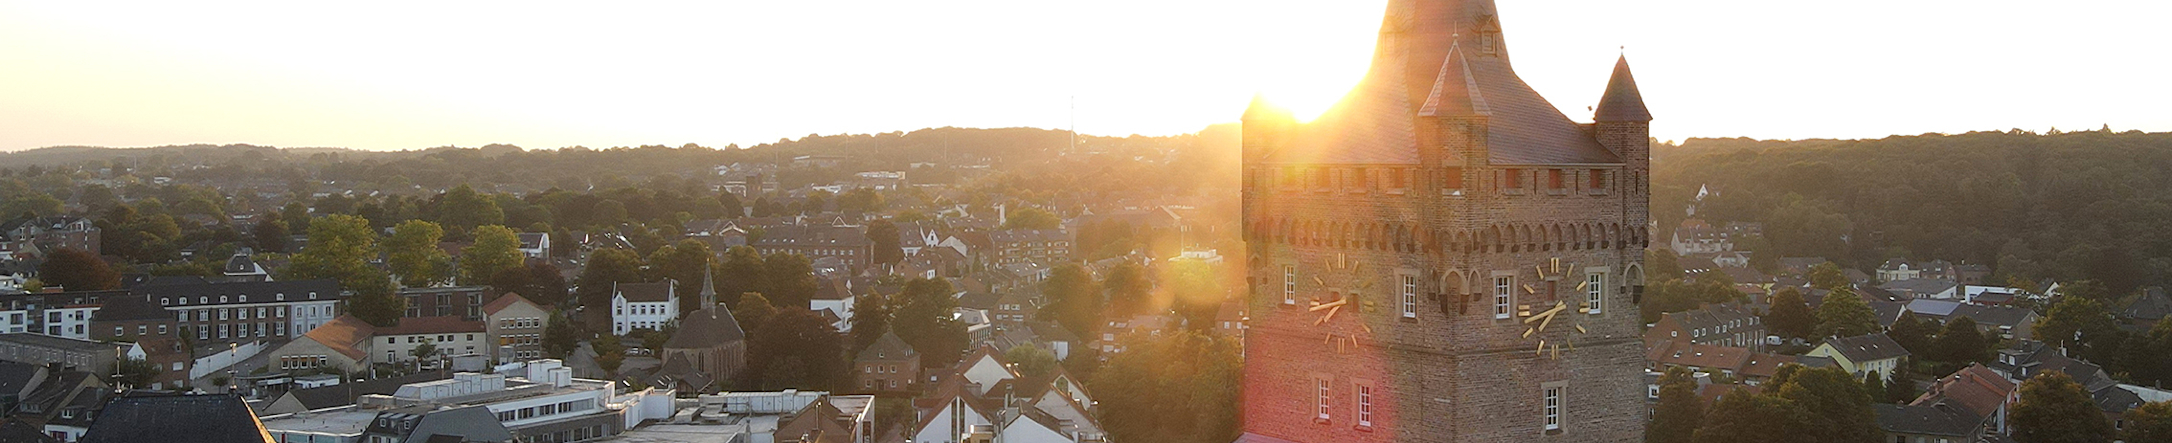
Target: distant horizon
(1676, 142)
(383, 77)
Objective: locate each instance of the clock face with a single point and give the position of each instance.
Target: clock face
(1543, 314)
(1336, 306)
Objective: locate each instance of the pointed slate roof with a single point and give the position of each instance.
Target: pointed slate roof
(1622, 102)
(1431, 61)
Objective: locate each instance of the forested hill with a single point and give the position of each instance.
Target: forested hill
(2076, 205)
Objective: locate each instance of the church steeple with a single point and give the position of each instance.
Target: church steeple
(708, 288)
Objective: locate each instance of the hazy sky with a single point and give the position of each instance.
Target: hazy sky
(394, 75)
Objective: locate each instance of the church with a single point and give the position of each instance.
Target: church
(1444, 256)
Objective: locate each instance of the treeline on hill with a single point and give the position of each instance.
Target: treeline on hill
(2070, 206)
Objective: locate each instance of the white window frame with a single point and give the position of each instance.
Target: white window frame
(1365, 405)
(1504, 296)
(1595, 291)
(1410, 296)
(1553, 405)
(1322, 404)
(1289, 284)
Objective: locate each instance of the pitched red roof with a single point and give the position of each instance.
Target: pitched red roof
(345, 335)
(1975, 388)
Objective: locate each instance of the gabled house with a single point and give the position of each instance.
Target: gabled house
(1863, 354)
(1716, 325)
(1936, 422)
(513, 328)
(650, 306)
(343, 343)
(1978, 390)
(888, 365)
(2145, 311)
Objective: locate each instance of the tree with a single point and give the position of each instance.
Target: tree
(136, 373)
(424, 351)
(1901, 387)
(1837, 407)
(1170, 388)
(540, 282)
(559, 337)
(1661, 264)
(462, 210)
(654, 340)
(1074, 299)
(340, 247)
(1843, 314)
(2150, 423)
(2053, 409)
(1741, 416)
(885, 235)
(1874, 385)
(1790, 316)
(610, 212)
(870, 319)
(788, 280)
(1828, 276)
(78, 270)
(1130, 293)
(1913, 334)
(270, 234)
(1032, 218)
(296, 216)
(609, 352)
(496, 248)
(413, 255)
(753, 311)
(2083, 326)
(606, 268)
(1195, 292)
(1960, 344)
(796, 350)
(740, 272)
(686, 262)
(1031, 361)
(732, 207)
(924, 320)
(1679, 412)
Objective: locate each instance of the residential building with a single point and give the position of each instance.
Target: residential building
(1923, 288)
(51, 234)
(242, 310)
(835, 296)
(2010, 322)
(888, 365)
(465, 302)
(170, 355)
(2145, 311)
(1863, 354)
(66, 353)
(837, 239)
(782, 417)
(648, 306)
(1021, 246)
(1931, 423)
(1982, 393)
(343, 343)
(982, 400)
(1694, 237)
(58, 314)
(535, 245)
(242, 268)
(515, 328)
(1717, 325)
(447, 336)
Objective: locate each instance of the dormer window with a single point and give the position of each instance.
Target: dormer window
(1488, 43)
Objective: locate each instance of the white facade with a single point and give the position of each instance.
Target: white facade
(843, 308)
(69, 322)
(401, 348)
(627, 315)
(15, 321)
(951, 422)
(308, 315)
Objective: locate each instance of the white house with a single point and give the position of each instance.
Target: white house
(643, 306)
(535, 245)
(836, 297)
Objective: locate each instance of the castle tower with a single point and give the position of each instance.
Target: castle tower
(1444, 256)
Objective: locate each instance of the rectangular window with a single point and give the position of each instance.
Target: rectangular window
(1553, 409)
(1355, 179)
(1322, 404)
(1289, 285)
(1595, 291)
(1365, 405)
(1410, 296)
(1554, 179)
(1399, 178)
(1451, 180)
(1502, 296)
(1512, 179)
(1320, 179)
(1598, 179)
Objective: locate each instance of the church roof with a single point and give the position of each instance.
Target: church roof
(706, 328)
(1430, 62)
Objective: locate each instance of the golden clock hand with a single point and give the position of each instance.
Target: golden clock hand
(1548, 314)
(1329, 305)
(1330, 315)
